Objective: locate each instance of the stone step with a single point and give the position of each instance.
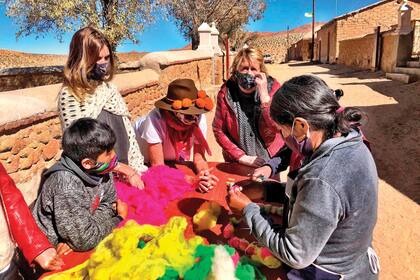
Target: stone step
(413, 64)
(404, 78)
(409, 71)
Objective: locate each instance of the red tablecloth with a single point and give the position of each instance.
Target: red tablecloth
(188, 205)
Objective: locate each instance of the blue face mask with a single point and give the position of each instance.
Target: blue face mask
(304, 147)
(245, 80)
(99, 72)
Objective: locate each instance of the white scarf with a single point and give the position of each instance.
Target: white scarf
(105, 97)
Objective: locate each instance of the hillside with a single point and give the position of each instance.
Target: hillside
(10, 59)
(276, 43)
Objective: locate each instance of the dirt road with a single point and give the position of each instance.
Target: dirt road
(394, 131)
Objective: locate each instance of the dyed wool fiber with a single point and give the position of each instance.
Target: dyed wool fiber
(119, 255)
(162, 185)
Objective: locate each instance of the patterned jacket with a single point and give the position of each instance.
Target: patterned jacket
(225, 126)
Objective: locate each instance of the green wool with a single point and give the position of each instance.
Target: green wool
(247, 270)
(170, 274)
(201, 269)
(141, 244)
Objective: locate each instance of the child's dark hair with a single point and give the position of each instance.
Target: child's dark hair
(87, 138)
(309, 97)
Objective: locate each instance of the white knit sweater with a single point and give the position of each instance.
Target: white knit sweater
(105, 97)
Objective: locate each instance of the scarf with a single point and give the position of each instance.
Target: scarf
(181, 134)
(105, 97)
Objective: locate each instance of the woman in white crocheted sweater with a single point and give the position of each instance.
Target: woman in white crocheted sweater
(86, 92)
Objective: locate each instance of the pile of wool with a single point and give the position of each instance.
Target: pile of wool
(163, 184)
(120, 256)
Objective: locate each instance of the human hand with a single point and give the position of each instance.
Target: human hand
(135, 180)
(252, 161)
(262, 173)
(236, 200)
(63, 249)
(261, 81)
(122, 208)
(49, 260)
(207, 180)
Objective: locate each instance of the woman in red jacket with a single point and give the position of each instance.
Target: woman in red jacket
(242, 124)
(17, 226)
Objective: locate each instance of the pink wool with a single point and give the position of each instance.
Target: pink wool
(162, 185)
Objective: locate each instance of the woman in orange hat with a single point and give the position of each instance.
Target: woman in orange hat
(177, 127)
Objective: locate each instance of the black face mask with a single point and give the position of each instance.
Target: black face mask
(245, 80)
(99, 72)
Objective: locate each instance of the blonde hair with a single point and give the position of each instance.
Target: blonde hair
(85, 47)
(249, 54)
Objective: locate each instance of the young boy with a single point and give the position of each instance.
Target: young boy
(75, 208)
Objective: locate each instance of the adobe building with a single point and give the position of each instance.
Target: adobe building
(358, 24)
(301, 50)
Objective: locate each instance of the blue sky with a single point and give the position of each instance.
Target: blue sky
(163, 34)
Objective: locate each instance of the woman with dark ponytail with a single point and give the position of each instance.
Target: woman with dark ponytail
(332, 203)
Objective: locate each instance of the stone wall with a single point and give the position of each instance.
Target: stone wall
(359, 52)
(30, 131)
(28, 80)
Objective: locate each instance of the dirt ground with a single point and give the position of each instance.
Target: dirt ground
(393, 129)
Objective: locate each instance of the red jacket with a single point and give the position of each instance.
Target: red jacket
(22, 227)
(225, 127)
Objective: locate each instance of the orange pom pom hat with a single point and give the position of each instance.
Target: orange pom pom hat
(183, 97)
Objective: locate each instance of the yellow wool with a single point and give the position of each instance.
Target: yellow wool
(206, 216)
(117, 256)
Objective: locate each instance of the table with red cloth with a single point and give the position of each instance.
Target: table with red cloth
(191, 201)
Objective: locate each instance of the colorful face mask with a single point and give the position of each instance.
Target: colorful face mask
(99, 71)
(105, 167)
(304, 147)
(245, 80)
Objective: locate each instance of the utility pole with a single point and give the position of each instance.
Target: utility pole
(313, 31)
(288, 46)
(227, 56)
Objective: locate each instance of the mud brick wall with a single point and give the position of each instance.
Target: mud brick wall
(389, 55)
(360, 23)
(327, 43)
(198, 70)
(358, 52)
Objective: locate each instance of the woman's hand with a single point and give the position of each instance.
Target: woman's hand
(207, 180)
(135, 180)
(132, 176)
(260, 173)
(49, 260)
(262, 87)
(252, 161)
(237, 201)
(63, 249)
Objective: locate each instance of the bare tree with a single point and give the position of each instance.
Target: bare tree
(229, 15)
